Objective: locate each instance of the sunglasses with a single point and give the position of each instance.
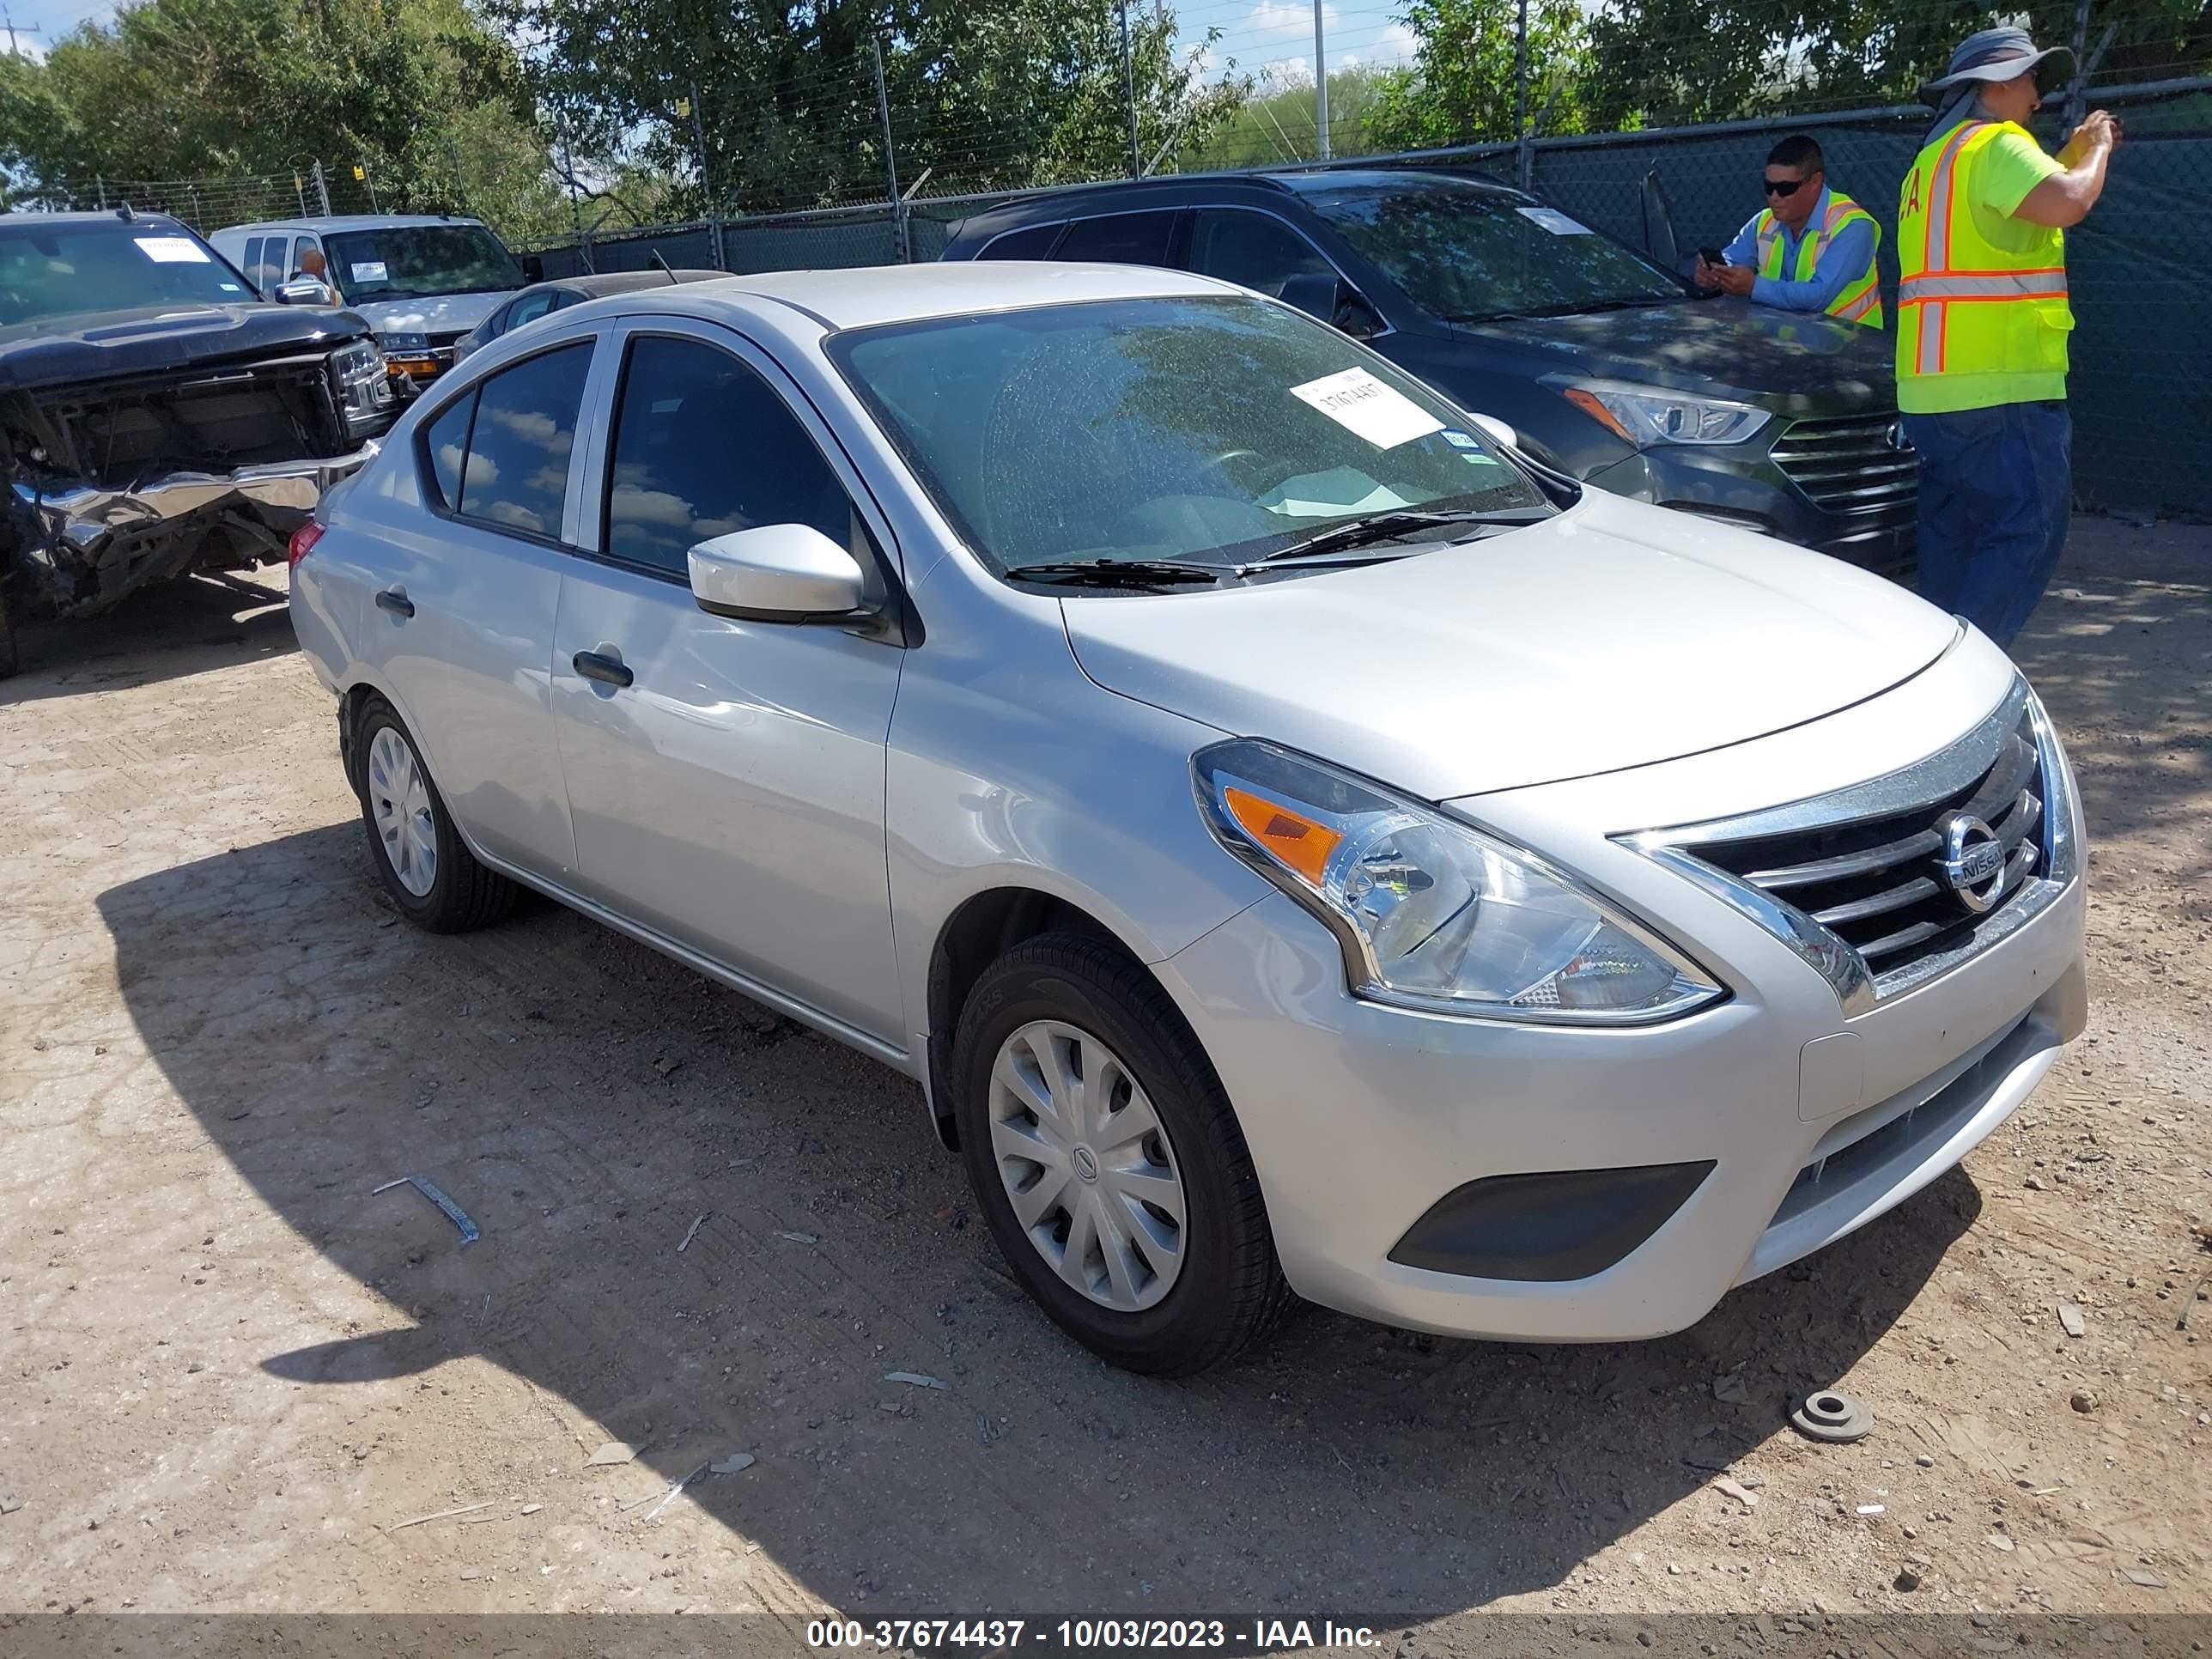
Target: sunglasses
(1785, 186)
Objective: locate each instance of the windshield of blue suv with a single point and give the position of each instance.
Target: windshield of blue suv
(1214, 431)
(56, 270)
(411, 261)
(1468, 254)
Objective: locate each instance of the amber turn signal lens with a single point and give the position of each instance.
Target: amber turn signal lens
(1588, 402)
(1304, 844)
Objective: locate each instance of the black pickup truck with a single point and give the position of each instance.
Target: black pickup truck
(156, 415)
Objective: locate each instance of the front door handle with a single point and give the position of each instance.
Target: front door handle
(395, 600)
(607, 671)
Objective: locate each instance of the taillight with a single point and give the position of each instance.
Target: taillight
(303, 542)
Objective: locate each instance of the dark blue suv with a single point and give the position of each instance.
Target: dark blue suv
(1608, 366)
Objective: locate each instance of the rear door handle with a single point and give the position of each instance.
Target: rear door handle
(396, 601)
(607, 671)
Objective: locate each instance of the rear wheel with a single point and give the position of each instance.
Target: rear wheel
(1107, 1160)
(429, 872)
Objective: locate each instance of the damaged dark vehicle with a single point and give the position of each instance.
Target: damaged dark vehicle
(157, 416)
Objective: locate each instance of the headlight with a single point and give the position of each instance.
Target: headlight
(1431, 913)
(364, 382)
(405, 342)
(1648, 414)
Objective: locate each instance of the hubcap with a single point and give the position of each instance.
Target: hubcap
(400, 806)
(1087, 1165)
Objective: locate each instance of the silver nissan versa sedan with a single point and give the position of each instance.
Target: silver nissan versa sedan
(1299, 846)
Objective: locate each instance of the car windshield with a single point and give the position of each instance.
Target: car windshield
(408, 261)
(65, 270)
(1467, 254)
(1198, 430)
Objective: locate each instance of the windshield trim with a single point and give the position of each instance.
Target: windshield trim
(838, 345)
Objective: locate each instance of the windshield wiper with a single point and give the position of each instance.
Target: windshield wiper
(1579, 309)
(1385, 526)
(1119, 573)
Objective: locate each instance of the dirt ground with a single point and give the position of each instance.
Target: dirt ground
(235, 1377)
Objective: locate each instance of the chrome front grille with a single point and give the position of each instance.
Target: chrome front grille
(1852, 464)
(1885, 884)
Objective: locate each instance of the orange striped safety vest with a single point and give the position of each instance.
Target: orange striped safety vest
(1859, 301)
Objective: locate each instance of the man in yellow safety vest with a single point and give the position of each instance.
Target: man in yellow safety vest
(1809, 249)
(1982, 324)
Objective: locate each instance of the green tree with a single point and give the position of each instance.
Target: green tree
(985, 94)
(1464, 88)
(1275, 123)
(199, 90)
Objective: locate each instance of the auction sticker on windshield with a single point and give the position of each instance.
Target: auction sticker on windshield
(172, 250)
(369, 271)
(1553, 221)
(1361, 404)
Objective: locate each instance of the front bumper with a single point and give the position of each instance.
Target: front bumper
(84, 546)
(1361, 1117)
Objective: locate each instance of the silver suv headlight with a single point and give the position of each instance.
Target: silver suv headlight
(1647, 414)
(364, 383)
(1432, 912)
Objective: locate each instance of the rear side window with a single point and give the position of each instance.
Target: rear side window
(704, 447)
(1121, 239)
(1251, 249)
(250, 263)
(1034, 243)
(528, 309)
(507, 464)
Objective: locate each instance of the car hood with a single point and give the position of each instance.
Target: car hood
(435, 313)
(150, 339)
(1614, 635)
(1798, 363)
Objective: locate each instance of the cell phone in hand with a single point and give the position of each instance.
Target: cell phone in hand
(1712, 256)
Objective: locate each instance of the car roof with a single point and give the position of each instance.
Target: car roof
(865, 296)
(1061, 202)
(623, 282)
(338, 221)
(16, 220)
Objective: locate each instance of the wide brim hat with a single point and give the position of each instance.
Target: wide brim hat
(1999, 54)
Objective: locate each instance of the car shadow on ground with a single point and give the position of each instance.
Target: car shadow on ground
(706, 1232)
(166, 632)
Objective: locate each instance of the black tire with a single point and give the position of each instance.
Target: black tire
(463, 894)
(1229, 1291)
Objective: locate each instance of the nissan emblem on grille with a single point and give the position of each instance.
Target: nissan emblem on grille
(1974, 861)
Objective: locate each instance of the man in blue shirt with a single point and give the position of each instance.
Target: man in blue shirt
(1810, 249)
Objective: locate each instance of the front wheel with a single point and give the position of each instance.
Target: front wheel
(1106, 1159)
(426, 867)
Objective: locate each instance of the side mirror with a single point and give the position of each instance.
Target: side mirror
(1496, 431)
(533, 268)
(1326, 296)
(306, 292)
(786, 572)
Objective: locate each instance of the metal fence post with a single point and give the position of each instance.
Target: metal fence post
(890, 156)
(2077, 90)
(322, 190)
(102, 184)
(1130, 86)
(367, 184)
(1320, 83)
(707, 182)
(1524, 160)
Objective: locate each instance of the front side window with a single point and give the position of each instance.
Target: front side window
(528, 309)
(1213, 430)
(1252, 249)
(406, 262)
(1468, 254)
(501, 454)
(49, 270)
(703, 446)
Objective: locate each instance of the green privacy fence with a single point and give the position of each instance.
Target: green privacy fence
(2137, 268)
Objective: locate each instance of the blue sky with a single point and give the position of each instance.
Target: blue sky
(1262, 36)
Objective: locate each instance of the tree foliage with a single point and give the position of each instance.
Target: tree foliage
(198, 89)
(983, 95)
(1464, 85)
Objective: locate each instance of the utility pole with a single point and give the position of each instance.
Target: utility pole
(890, 155)
(1129, 87)
(1321, 83)
(11, 25)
